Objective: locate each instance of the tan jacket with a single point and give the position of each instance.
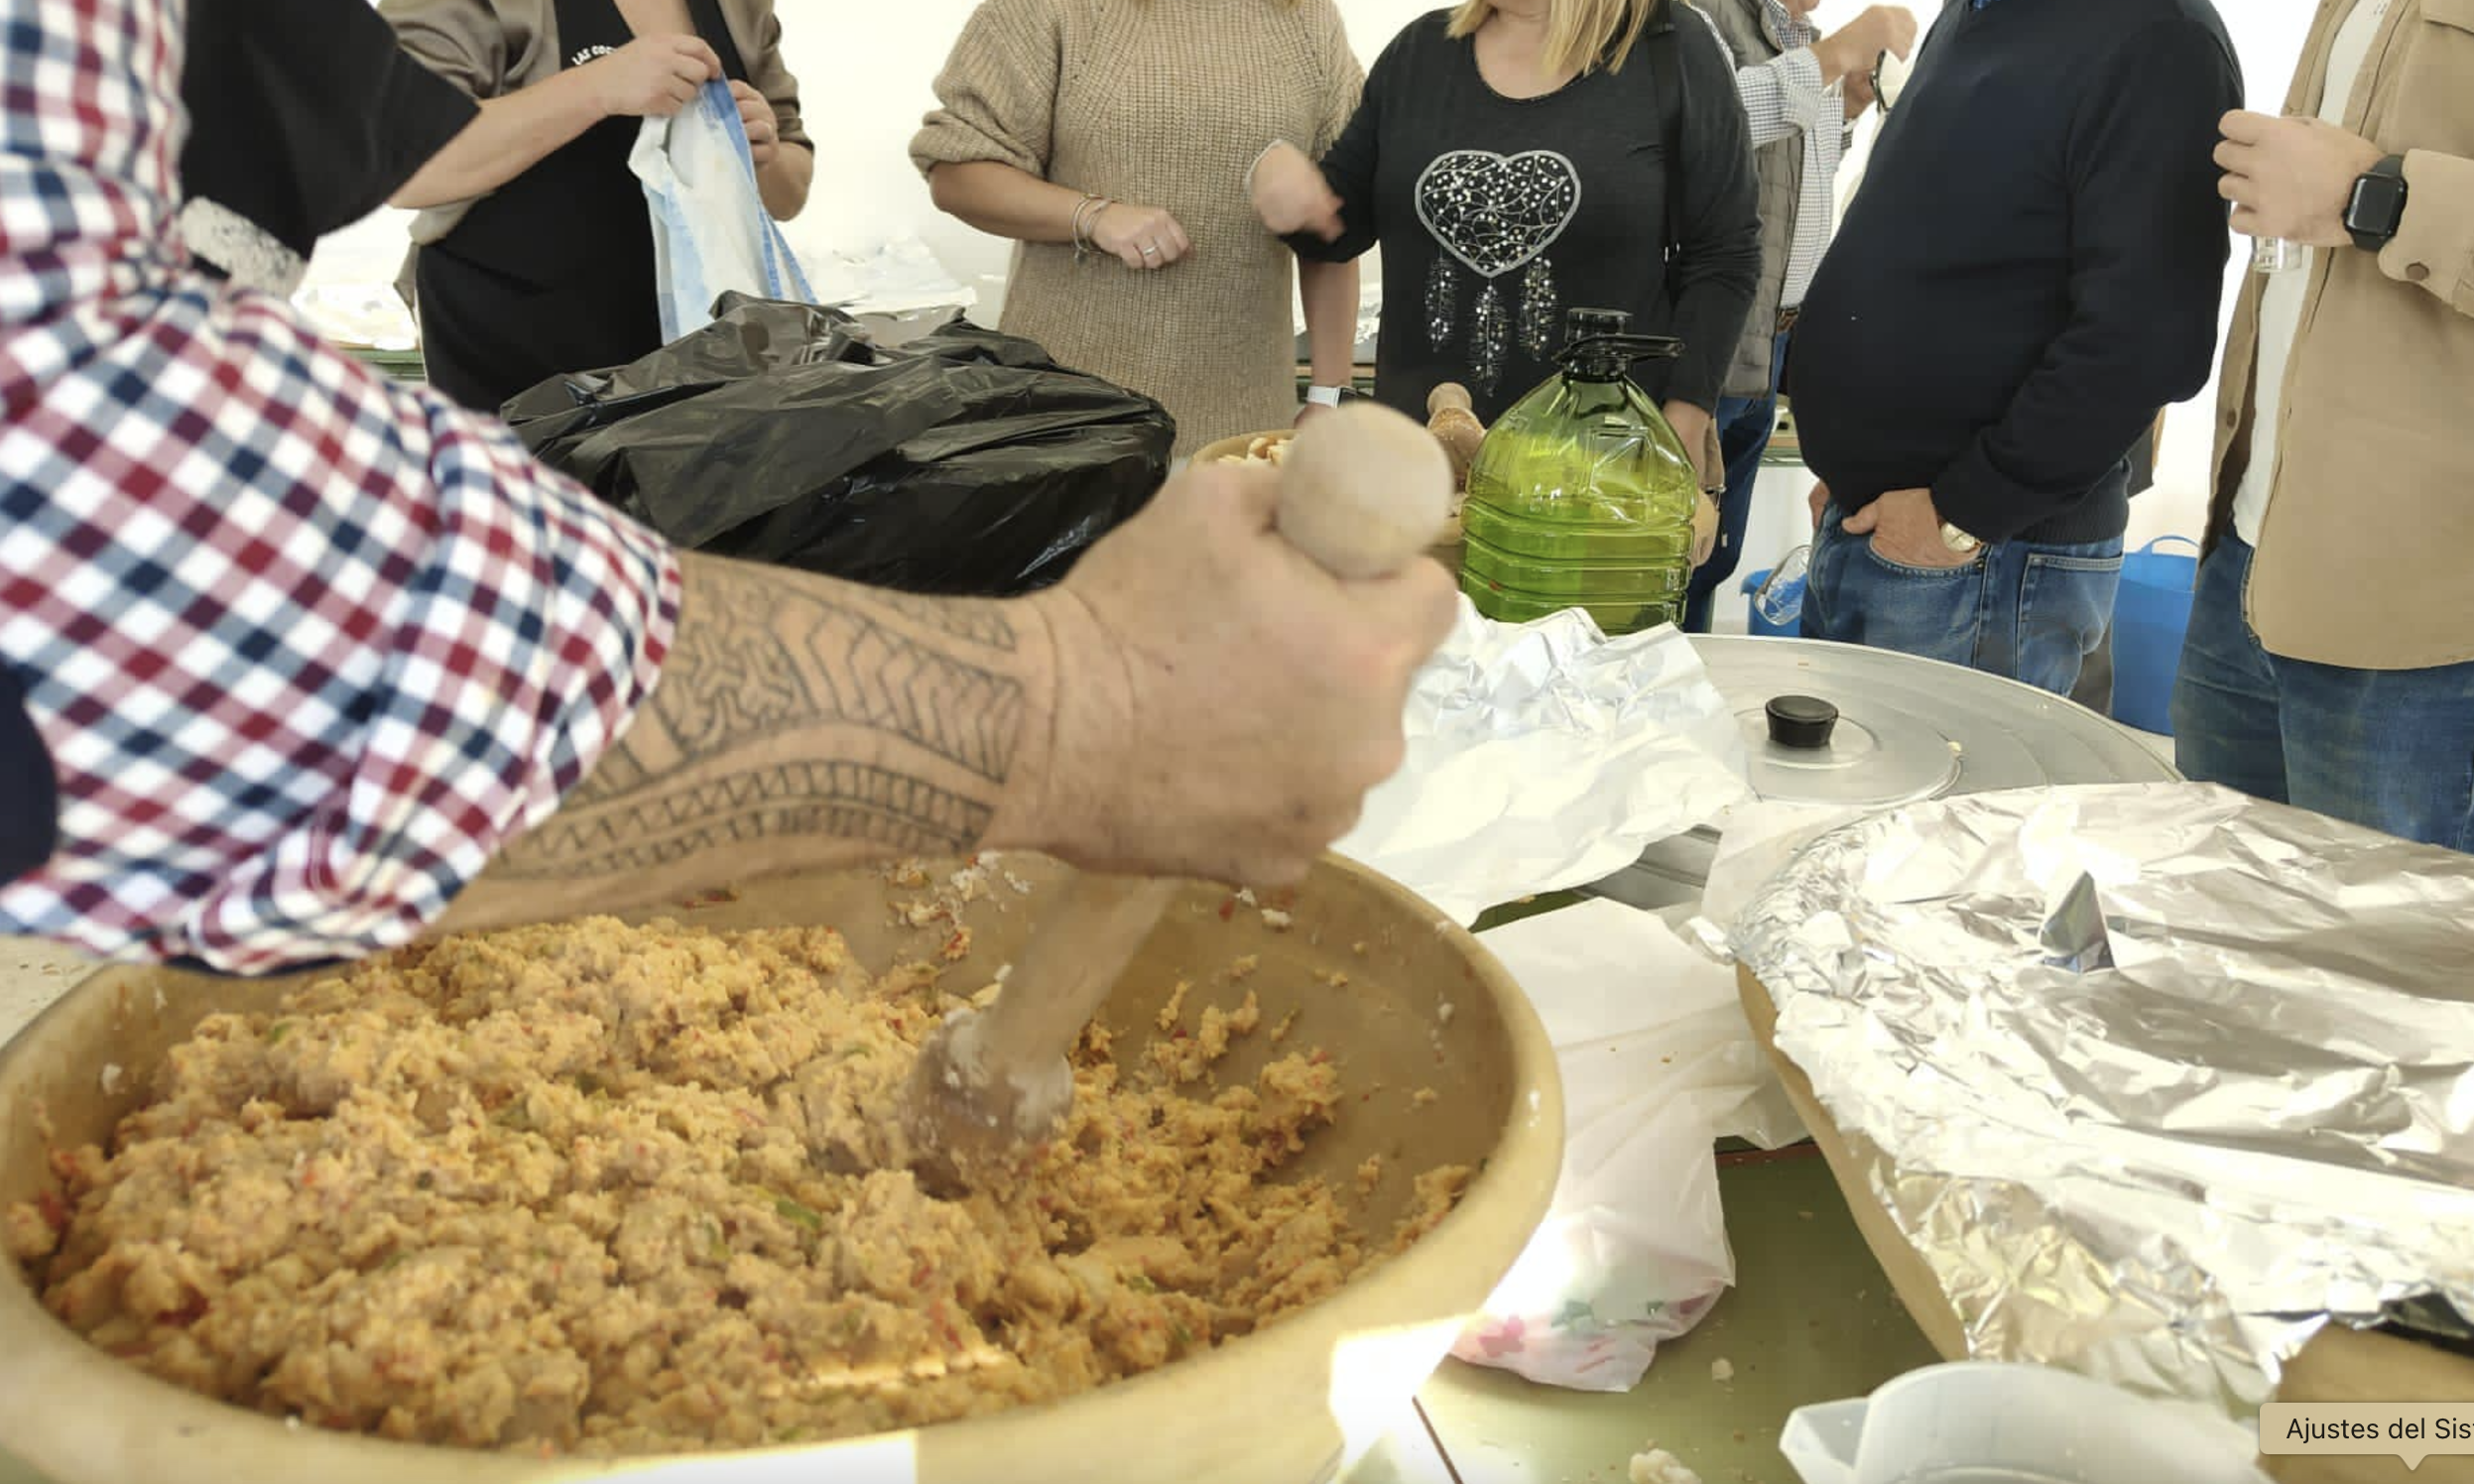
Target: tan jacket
(493, 48)
(2365, 559)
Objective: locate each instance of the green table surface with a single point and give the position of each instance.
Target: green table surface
(1810, 1319)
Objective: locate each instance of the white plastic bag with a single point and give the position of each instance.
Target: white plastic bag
(1658, 1064)
(711, 233)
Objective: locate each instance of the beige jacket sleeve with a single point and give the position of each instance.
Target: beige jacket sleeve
(1344, 80)
(487, 49)
(997, 94)
(2434, 245)
(757, 30)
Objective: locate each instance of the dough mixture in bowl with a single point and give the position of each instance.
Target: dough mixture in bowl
(608, 1189)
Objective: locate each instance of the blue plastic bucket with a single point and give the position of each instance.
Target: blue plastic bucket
(2150, 617)
(1754, 623)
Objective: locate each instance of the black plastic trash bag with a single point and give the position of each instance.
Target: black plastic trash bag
(960, 462)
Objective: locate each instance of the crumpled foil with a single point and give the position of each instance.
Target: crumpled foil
(1543, 755)
(2157, 1079)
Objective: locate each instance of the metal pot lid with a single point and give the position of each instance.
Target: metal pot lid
(1871, 729)
(1907, 729)
(1810, 750)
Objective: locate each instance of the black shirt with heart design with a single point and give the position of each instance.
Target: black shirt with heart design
(1496, 215)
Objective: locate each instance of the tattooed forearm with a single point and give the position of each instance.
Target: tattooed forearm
(847, 800)
(982, 624)
(767, 659)
(798, 722)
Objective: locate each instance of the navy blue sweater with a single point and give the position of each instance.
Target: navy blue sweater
(2031, 269)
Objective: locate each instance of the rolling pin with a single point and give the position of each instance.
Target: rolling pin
(1362, 491)
(1455, 426)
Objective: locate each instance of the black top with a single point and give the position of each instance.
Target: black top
(552, 274)
(1497, 215)
(304, 114)
(30, 812)
(2031, 269)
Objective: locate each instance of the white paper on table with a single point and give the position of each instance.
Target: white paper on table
(1543, 755)
(1658, 1063)
(893, 275)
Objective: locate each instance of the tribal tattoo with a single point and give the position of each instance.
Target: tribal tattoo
(791, 706)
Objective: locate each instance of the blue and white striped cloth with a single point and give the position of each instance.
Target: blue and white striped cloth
(711, 233)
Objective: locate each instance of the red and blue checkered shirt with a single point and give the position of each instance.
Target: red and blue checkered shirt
(305, 648)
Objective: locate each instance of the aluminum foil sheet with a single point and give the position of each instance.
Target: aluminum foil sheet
(1546, 755)
(2157, 1079)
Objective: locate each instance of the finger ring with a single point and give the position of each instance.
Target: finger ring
(1150, 251)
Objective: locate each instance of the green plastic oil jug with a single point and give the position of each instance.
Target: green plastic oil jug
(1581, 495)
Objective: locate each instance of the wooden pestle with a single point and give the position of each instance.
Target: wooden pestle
(1362, 491)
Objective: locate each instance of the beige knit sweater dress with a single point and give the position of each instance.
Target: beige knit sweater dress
(1160, 104)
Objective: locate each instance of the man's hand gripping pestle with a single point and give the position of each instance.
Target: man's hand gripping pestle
(1363, 492)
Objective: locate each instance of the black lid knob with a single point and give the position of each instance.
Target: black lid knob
(1802, 722)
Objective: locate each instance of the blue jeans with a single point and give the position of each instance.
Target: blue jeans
(2390, 749)
(1745, 424)
(2031, 612)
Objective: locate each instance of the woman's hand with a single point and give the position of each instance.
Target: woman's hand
(1141, 237)
(1291, 194)
(764, 129)
(654, 77)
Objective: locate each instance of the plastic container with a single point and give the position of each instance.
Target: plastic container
(1776, 611)
(1980, 1422)
(2151, 615)
(1754, 623)
(1581, 496)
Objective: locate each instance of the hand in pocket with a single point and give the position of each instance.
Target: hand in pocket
(1905, 530)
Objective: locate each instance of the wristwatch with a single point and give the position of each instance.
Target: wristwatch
(2377, 206)
(1958, 541)
(1326, 396)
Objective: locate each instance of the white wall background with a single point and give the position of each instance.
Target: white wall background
(865, 71)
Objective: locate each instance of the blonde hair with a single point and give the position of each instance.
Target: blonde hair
(1581, 34)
